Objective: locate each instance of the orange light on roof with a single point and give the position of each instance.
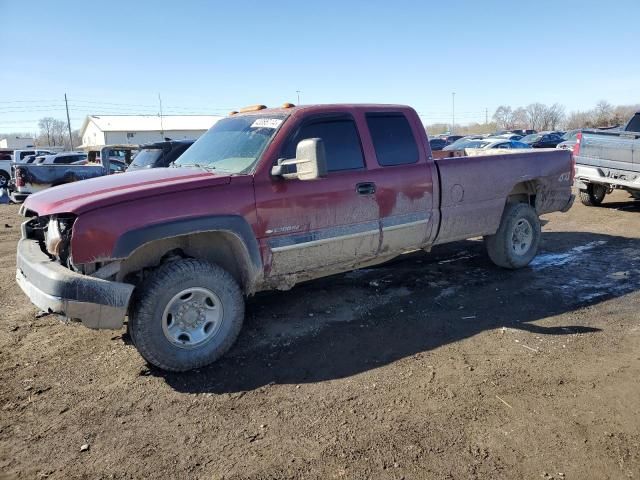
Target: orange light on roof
(232, 112)
(252, 108)
(287, 105)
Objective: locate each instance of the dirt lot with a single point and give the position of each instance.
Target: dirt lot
(434, 366)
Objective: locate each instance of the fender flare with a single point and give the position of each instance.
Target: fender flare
(130, 241)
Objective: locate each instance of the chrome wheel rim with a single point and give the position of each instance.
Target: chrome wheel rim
(192, 317)
(522, 236)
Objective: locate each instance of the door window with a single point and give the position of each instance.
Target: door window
(341, 142)
(392, 139)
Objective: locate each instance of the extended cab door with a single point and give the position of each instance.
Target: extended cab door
(402, 172)
(310, 227)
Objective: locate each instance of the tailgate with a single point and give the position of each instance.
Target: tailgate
(616, 150)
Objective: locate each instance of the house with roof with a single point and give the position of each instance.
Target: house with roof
(138, 129)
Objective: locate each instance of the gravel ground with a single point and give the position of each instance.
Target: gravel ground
(433, 366)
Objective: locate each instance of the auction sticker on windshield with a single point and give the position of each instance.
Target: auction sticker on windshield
(266, 123)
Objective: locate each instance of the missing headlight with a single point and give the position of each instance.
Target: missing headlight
(58, 236)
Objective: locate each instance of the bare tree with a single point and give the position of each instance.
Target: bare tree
(577, 120)
(59, 132)
(536, 115)
(46, 129)
(603, 113)
(553, 116)
(503, 117)
(520, 117)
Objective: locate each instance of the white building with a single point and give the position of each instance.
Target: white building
(137, 129)
(17, 143)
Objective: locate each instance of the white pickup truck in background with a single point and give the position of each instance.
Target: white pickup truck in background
(7, 157)
(608, 160)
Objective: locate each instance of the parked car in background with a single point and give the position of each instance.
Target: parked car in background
(508, 136)
(19, 155)
(438, 143)
(31, 178)
(159, 154)
(264, 200)
(64, 158)
(542, 140)
(494, 143)
(464, 142)
(608, 160)
(452, 138)
(504, 143)
(568, 140)
(523, 132)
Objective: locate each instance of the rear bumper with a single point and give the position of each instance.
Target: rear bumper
(53, 288)
(586, 174)
(18, 197)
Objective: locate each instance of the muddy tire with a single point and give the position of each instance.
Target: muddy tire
(593, 195)
(4, 179)
(186, 315)
(516, 242)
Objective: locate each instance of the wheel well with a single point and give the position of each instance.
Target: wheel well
(222, 248)
(524, 192)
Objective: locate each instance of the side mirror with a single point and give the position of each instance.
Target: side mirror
(310, 161)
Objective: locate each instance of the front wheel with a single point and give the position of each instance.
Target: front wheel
(516, 242)
(4, 179)
(186, 315)
(593, 195)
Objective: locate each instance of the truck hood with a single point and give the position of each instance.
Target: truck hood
(85, 195)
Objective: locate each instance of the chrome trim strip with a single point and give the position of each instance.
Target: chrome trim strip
(314, 243)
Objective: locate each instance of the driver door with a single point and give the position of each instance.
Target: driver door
(309, 227)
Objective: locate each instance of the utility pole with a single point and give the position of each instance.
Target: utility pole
(486, 116)
(298, 92)
(161, 125)
(66, 104)
(453, 112)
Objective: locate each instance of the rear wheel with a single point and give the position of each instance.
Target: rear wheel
(516, 242)
(593, 195)
(186, 315)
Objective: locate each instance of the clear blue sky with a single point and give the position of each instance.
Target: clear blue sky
(212, 56)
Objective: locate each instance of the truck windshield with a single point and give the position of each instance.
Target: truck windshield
(147, 157)
(232, 145)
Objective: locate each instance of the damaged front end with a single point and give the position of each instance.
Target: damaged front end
(46, 273)
(53, 234)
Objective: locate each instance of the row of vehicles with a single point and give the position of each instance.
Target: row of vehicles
(34, 171)
(506, 140)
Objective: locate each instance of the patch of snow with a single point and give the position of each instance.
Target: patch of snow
(547, 260)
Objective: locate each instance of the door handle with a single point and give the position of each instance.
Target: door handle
(366, 188)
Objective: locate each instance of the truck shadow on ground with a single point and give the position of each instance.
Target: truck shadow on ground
(350, 323)
(629, 206)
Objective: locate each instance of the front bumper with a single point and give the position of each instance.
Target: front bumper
(55, 289)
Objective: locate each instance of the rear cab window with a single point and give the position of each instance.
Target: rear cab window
(340, 137)
(634, 124)
(393, 139)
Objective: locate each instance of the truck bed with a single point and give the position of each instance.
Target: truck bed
(473, 189)
(33, 178)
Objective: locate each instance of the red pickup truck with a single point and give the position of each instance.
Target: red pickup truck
(265, 199)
